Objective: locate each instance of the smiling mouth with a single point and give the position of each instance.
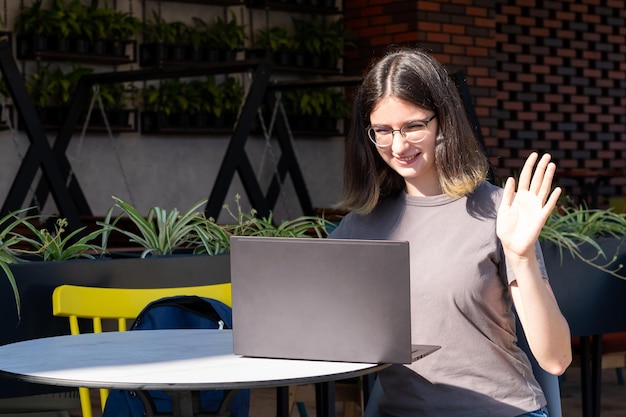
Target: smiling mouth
(406, 159)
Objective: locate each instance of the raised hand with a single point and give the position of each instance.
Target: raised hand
(523, 213)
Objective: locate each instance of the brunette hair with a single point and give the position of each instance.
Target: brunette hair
(414, 76)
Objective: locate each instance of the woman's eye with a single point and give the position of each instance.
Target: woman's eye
(414, 127)
(382, 131)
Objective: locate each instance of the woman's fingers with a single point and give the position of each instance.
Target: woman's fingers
(527, 170)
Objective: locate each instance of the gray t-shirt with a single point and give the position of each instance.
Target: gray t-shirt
(460, 301)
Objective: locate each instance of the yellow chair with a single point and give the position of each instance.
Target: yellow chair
(121, 305)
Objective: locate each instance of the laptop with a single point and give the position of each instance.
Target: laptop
(322, 299)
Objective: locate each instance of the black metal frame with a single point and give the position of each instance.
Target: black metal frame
(66, 191)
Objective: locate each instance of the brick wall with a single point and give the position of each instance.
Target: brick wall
(549, 78)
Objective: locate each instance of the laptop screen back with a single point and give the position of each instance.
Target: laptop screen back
(326, 299)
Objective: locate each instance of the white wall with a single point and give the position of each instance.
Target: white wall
(172, 171)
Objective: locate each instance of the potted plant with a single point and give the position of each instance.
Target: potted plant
(51, 91)
(276, 41)
(117, 104)
(32, 27)
(178, 104)
(224, 38)
(315, 109)
(110, 30)
(227, 104)
(165, 106)
(320, 44)
(203, 96)
(161, 40)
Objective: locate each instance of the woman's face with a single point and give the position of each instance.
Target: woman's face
(414, 161)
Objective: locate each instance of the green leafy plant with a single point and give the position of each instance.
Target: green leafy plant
(9, 239)
(571, 227)
(226, 34)
(34, 20)
(21, 238)
(316, 102)
(108, 23)
(313, 36)
(158, 30)
(161, 232)
(230, 97)
(48, 87)
(58, 246)
(63, 84)
(116, 96)
(274, 38)
(247, 223)
(168, 97)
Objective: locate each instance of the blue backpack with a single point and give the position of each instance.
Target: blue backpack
(179, 312)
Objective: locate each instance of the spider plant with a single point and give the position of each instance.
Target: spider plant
(162, 232)
(39, 242)
(246, 223)
(572, 227)
(59, 247)
(8, 240)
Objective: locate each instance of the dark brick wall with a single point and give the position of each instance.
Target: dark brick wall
(549, 78)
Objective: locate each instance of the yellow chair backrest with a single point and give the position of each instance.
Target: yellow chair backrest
(119, 304)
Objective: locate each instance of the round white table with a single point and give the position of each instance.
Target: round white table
(178, 361)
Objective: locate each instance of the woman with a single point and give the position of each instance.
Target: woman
(414, 171)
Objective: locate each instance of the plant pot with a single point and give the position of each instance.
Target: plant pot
(79, 45)
(176, 52)
(199, 120)
(29, 45)
(195, 54)
(152, 121)
(152, 53)
(116, 47)
(99, 47)
(115, 118)
(60, 44)
(591, 300)
(179, 120)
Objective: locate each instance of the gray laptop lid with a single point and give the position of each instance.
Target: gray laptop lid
(325, 299)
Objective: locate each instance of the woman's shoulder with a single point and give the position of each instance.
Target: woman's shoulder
(485, 200)
(363, 226)
(488, 191)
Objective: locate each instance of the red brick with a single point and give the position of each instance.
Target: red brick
(429, 6)
(372, 31)
(438, 37)
(525, 21)
(372, 11)
(429, 26)
(396, 28)
(379, 20)
(476, 11)
(463, 40)
(484, 23)
(453, 49)
(405, 37)
(381, 40)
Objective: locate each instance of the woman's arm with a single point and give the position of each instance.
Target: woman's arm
(521, 216)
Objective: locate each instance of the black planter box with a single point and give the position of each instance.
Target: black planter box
(591, 300)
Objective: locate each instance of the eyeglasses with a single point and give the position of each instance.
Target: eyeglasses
(414, 132)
